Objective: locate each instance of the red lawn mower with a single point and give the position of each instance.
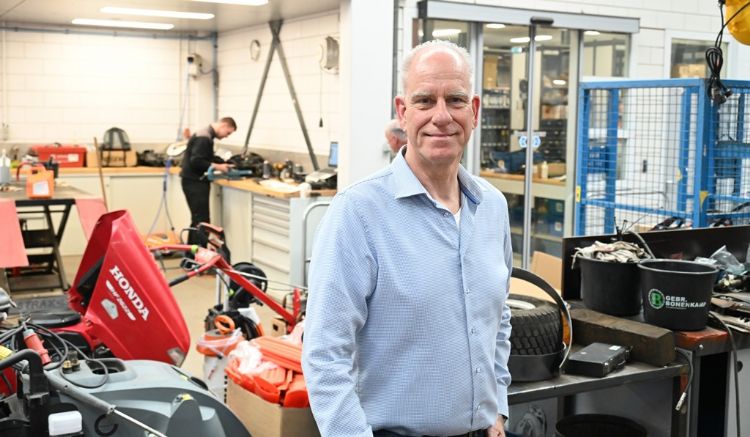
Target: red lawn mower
(121, 304)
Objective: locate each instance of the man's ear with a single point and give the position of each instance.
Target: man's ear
(400, 102)
(475, 107)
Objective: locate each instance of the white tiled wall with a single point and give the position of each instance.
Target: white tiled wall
(660, 19)
(276, 126)
(72, 87)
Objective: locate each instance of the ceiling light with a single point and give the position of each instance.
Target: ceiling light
(591, 32)
(559, 82)
(525, 39)
(118, 23)
(442, 33)
(237, 2)
(157, 13)
(495, 26)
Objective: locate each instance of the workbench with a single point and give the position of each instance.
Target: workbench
(571, 394)
(263, 225)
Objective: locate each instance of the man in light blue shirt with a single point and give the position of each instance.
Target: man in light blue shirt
(407, 327)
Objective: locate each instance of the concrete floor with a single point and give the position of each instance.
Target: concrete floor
(194, 297)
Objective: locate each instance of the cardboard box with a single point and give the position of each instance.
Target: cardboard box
(264, 419)
(278, 327)
(112, 158)
(546, 266)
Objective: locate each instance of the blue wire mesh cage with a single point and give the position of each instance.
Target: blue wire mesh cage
(655, 153)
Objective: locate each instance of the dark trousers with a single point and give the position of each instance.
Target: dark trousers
(386, 433)
(197, 194)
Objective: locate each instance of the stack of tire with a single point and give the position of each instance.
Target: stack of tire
(536, 341)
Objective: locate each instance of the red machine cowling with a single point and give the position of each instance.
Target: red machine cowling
(124, 299)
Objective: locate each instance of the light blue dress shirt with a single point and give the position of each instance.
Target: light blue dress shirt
(407, 327)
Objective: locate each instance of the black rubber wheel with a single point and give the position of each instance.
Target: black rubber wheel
(537, 327)
(238, 296)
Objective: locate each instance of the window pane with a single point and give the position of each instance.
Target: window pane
(605, 54)
(689, 58)
(453, 31)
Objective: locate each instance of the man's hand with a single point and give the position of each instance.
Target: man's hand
(498, 429)
(224, 168)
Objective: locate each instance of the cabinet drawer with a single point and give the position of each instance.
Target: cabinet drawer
(271, 256)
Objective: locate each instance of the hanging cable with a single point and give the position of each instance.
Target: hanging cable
(717, 91)
(691, 375)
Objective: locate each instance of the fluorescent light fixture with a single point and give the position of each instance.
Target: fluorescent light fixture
(237, 2)
(495, 26)
(442, 33)
(559, 82)
(525, 39)
(591, 32)
(118, 23)
(157, 13)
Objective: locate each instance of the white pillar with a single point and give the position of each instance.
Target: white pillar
(365, 68)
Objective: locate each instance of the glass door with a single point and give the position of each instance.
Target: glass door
(505, 86)
(502, 52)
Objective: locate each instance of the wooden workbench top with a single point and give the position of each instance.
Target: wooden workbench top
(243, 184)
(255, 187)
(75, 171)
(519, 177)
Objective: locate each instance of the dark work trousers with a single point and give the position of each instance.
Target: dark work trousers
(386, 433)
(197, 194)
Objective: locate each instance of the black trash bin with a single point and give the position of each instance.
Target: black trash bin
(610, 287)
(598, 425)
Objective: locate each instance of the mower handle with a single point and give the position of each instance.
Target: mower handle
(178, 280)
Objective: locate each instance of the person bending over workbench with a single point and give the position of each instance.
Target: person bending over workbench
(199, 155)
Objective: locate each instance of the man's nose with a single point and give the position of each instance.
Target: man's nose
(441, 116)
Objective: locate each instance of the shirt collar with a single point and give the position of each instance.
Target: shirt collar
(407, 183)
(211, 132)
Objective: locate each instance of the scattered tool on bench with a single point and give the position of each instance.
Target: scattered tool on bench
(233, 174)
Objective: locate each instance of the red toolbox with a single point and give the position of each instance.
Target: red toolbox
(67, 155)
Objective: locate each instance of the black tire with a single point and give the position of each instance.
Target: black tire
(537, 327)
(238, 296)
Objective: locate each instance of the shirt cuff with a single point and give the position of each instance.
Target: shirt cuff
(502, 400)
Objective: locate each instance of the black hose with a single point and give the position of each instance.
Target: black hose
(37, 378)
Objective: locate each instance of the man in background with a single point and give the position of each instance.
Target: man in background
(394, 135)
(198, 156)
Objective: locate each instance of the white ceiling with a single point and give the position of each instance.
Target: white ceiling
(227, 17)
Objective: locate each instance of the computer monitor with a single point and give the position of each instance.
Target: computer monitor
(333, 155)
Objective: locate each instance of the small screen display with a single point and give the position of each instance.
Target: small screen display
(333, 155)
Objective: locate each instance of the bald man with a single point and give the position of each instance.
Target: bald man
(407, 325)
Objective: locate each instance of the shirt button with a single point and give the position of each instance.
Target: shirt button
(466, 291)
(478, 370)
(446, 214)
(473, 330)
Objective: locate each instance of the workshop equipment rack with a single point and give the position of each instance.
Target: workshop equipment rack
(660, 152)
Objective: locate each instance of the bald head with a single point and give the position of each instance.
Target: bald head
(460, 55)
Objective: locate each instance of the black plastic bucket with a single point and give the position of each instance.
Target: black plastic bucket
(676, 294)
(610, 287)
(598, 425)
